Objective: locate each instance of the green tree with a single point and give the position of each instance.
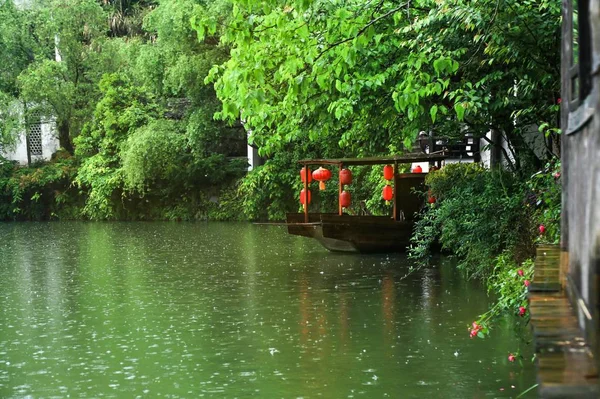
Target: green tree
(126, 16)
(18, 49)
(368, 76)
(65, 89)
(153, 138)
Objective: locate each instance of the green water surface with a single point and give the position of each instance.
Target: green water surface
(165, 310)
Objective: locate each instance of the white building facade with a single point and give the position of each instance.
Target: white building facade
(36, 142)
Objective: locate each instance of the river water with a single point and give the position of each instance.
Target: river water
(174, 310)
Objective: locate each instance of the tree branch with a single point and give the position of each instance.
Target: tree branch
(361, 31)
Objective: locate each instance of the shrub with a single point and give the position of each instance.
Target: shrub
(478, 215)
(40, 192)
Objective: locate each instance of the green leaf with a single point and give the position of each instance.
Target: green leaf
(322, 81)
(433, 112)
(460, 111)
(338, 85)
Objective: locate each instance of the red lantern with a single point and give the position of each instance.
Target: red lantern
(345, 199)
(303, 175)
(387, 194)
(417, 169)
(345, 176)
(321, 175)
(388, 172)
(303, 197)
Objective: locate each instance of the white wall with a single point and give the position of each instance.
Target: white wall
(253, 158)
(50, 142)
(486, 156)
(49, 145)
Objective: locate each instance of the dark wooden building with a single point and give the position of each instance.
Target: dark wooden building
(566, 322)
(581, 160)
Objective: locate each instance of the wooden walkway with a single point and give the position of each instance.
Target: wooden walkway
(566, 367)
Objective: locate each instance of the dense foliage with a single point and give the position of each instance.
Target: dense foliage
(368, 76)
(40, 192)
(124, 82)
(467, 196)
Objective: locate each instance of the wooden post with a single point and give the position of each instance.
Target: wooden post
(394, 191)
(306, 172)
(566, 49)
(340, 191)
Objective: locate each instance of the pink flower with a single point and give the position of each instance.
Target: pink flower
(559, 100)
(556, 175)
(527, 283)
(511, 358)
(542, 229)
(476, 328)
(522, 311)
(520, 272)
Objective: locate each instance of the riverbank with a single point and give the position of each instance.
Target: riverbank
(52, 191)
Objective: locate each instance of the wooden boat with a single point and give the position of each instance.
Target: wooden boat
(361, 233)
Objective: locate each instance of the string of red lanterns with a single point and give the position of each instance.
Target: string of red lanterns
(322, 175)
(345, 175)
(388, 175)
(345, 199)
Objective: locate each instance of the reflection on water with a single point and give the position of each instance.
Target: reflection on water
(234, 310)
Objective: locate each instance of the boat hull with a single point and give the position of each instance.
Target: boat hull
(347, 233)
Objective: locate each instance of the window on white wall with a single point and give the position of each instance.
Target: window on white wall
(34, 136)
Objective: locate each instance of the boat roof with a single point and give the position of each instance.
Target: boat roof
(407, 158)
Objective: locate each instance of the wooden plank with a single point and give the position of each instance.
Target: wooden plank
(567, 374)
(565, 365)
(544, 287)
(306, 202)
(546, 272)
(340, 188)
(395, 215)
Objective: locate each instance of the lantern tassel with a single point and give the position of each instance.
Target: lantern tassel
(387, 202)
(322, 185)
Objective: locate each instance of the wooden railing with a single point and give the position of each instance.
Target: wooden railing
(467, 148)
